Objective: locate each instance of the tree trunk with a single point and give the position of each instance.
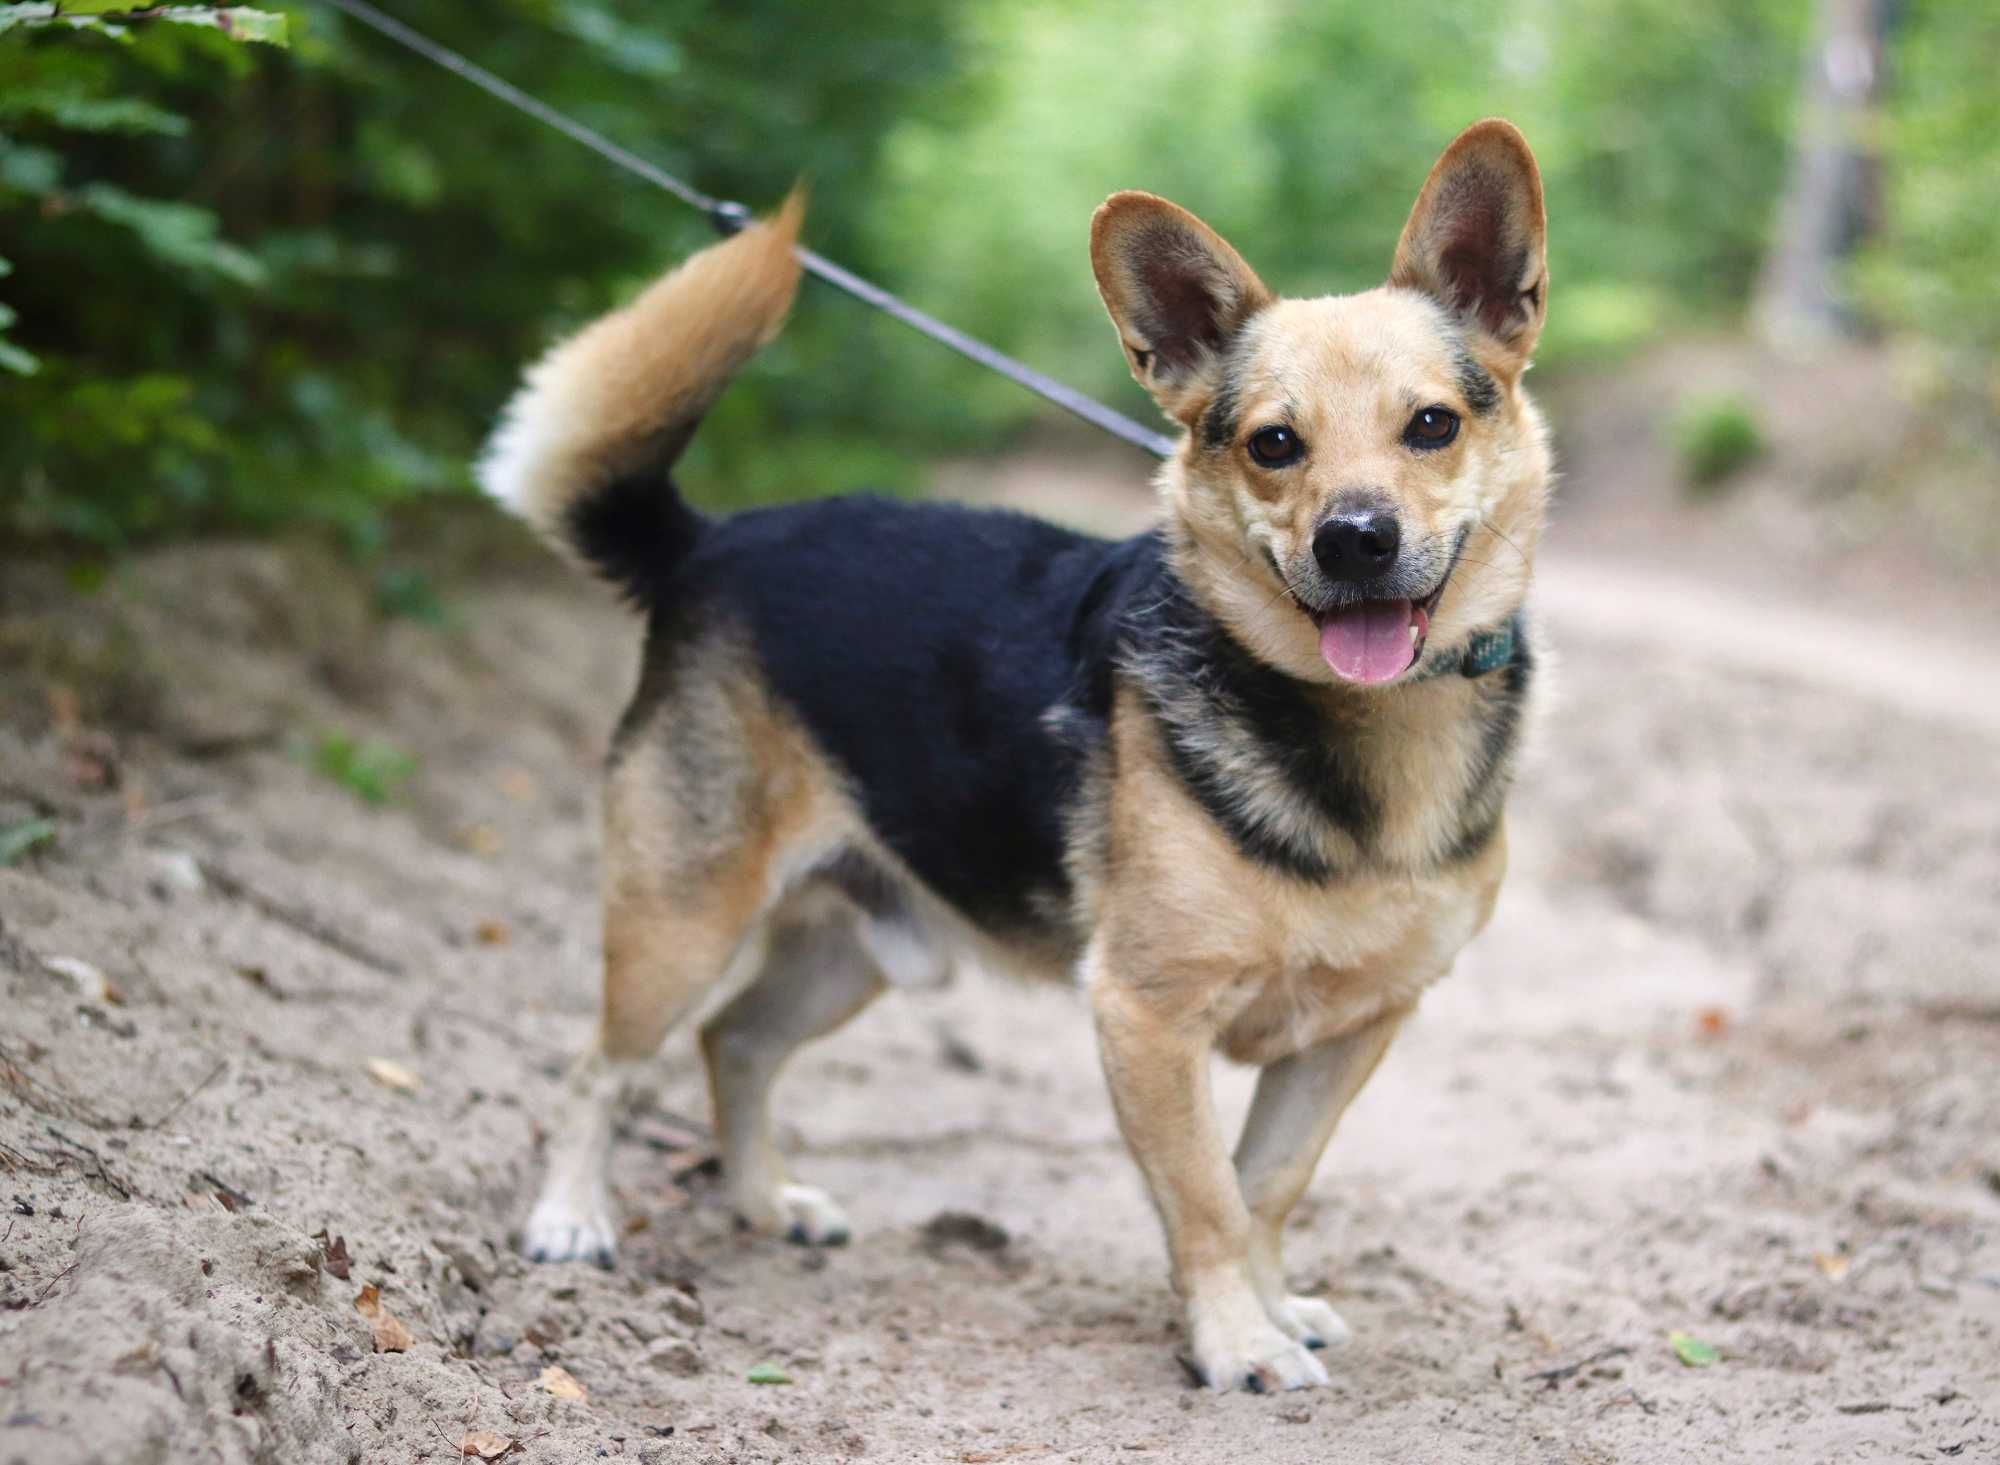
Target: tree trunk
(1832, 197)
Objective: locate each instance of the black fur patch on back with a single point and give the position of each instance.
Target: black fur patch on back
(902, 637)
(636, 531)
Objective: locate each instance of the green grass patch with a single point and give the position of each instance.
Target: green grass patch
(372, 771)
(16, 840)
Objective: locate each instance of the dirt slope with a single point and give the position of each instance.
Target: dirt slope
(1725, 1064)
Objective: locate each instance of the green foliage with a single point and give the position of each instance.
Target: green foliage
(114, 17)
(17, 840)
(255, 286)
(1934, 268)
(1714, 437)
(313, 275)
(1302, 133)
(371, 771)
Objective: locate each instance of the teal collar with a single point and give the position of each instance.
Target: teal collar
(1485, 652)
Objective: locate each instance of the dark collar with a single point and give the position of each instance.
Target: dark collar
(1487, 651)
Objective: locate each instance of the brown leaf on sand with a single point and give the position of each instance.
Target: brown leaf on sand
(481, 839)
(484, 1444)
(1711, 1022)
(390, 1334)
(492, 932)
(392, 1075)
(337, 1260)
(1832, 1264)
(562, 1383)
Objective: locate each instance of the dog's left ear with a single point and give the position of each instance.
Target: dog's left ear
(1477, 239)
(1177, 293)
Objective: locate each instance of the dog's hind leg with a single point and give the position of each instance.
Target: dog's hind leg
(1298, 1103)
(817, 974)
(660, 962)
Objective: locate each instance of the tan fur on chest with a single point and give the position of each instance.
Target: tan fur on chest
(1269, 964)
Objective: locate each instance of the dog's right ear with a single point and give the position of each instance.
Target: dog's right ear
(1176, 291)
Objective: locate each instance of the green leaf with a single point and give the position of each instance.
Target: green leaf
(17, 839)
(114, 17)
(29, 169)
(13, 15)
(236, 22)
(768, 1373)
(127, 115)
(371, 771)
(1692, 1351)
(179, 233)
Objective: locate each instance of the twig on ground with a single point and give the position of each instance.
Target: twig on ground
(182, 1102)
(302, 921)
(1554, 1376)
(229, 1193)
(133, 822)
(13, 1159)
(46, 1098)
(50, 1286)
(103, 1170)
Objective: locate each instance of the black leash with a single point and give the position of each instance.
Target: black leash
(728, 217)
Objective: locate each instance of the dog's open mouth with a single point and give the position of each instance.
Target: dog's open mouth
(1376, 641)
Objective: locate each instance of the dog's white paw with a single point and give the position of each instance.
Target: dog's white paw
(802, 1214)
(1254, 1355)
(1311, 1322)
(559, 1230)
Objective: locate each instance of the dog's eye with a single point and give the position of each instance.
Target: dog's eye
(1431, 428)
(1274, 447)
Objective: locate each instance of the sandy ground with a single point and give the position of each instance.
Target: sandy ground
(1725, 1065)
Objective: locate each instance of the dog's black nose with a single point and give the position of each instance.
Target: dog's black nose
(1358, 545)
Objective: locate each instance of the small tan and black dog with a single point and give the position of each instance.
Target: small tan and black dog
(1240, 777)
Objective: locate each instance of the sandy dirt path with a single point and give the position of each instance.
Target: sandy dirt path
(1724, 1065)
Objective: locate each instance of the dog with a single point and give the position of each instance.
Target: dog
(1241, 777)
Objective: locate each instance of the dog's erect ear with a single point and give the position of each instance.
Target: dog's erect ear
(1476, 240)
(1176, 291)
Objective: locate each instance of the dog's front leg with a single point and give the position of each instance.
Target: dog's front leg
(1156, 1059)
(1299, 1101)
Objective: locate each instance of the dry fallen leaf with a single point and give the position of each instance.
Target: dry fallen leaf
(392, 1075)
(484, 1444)
(1833, 1263)
(1711, 1022)
(338, 1261)
(560, 1382)
(481, 839)
(390, 1334)
(492, 933)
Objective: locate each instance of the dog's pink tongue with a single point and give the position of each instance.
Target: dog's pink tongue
(1369, 642)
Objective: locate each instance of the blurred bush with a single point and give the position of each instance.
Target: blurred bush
(251, 286)
(1936, 265)
(1713, 438)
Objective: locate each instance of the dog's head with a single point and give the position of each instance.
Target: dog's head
(1362, 474)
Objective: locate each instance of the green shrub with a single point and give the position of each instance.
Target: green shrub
(1715, 437)
(371, 771)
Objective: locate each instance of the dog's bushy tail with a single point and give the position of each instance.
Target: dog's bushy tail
(583, 450)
